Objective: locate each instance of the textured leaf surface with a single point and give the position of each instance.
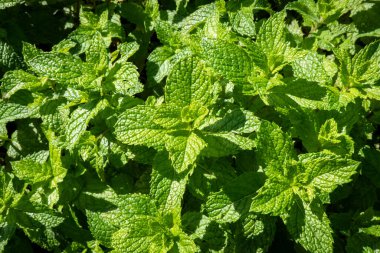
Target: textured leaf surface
(188, 82)
(140, 236)
(6, 232)
(11, 111)
(237, 121)
(61, 67)
(184, 150)
(222, 144)
(166, 186)
(196, 18)
(229, 60)
(271, 39)
(79, 120)
(9, 59)
(16, 80)
(309, 225)
(136, 126)
(124, 79)
(366, 64)
(275, 147)
(326, 171)
(32, 171)
(311, 68)
(273, 198)
(233, 201)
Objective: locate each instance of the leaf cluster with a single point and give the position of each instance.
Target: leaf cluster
(189, 126)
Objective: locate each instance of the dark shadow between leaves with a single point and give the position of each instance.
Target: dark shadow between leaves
(248, 183)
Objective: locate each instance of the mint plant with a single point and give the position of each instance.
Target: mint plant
(189, 126)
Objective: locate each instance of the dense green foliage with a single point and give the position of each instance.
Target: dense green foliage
(190, 126)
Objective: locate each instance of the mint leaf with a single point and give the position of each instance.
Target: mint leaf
(6, 231)
(233, 201)
(123, 78)
(366, 64)
(166, 185)
(16, 80)
(275, 147)
(189, 126)
(79, 120)
(327, 171)
(141, 236)
(11, 111)
(59, 67)
(329, 137)
(196, 18)
(189, 82)
(312, 68)
(362, 69)
(308, 9)
(309, 225)
(228, 60)
(271, 39)
(136, 127)
(9, 58)
(273, 198)
(184, 150)
(32, 171)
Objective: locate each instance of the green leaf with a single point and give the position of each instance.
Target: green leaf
(361, 242)
(309, 226)
(366, 64)
(189, 81)
(184, 244)
(294, 92)
(271, 39)
(10, 112)
(123, 78)
(57, 169)
(311, 67)
(274, 198)
(204, 229)
(79, 120)
(100, 227)
(167, 187)
(59, 67)
(227, 59)
(55, 114)
(184, 148)
(9, 59)
(16, 80)
(223, 144)
(96, 53)
(136, 126)
(242, 21)
(360, 70)
(236, 121)
(275, 148)
(159, 64)
(195, 19)
(141, 236)
(331, 139)
(7, 230)
(328, 171)
(308, 9)
(32, 171)
(127, 49)
(234, 200)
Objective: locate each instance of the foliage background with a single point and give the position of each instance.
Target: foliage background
(185, 126)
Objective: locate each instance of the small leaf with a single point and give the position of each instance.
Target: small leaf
(184, 150)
